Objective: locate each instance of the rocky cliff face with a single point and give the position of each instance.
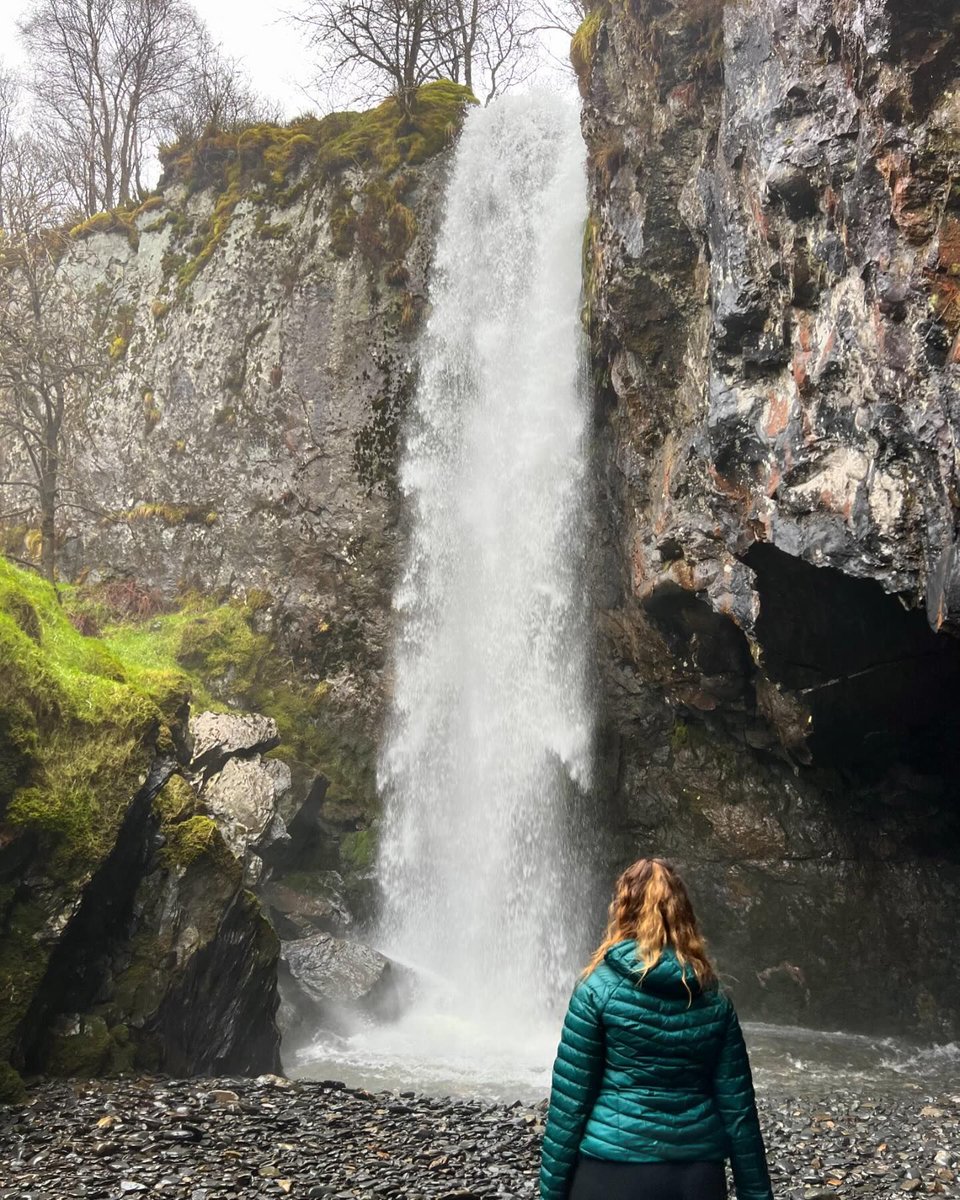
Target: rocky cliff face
(771, 267)
(245, 446)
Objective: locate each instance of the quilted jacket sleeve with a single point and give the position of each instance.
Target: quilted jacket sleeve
(733, 1089)
(577, 1073)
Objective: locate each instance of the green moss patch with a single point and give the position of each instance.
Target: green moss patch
(195, 838)
(12, 1090)
(231, 663)
(267, 156)
(79, 726)
(118, 220)
(358, 849)
(77, 721)
(176, 801)
(583, 46)
(167, 514)
(277, 164)
(92, 1049)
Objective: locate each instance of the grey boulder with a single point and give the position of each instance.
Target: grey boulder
(244, 800)
(329, 983)
(217, 737)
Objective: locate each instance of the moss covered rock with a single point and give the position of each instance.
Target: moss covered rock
(95, 833)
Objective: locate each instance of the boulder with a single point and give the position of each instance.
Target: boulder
(197, 985)
(296, 914)
(243, 799)
(216, 737)
(330, 983)
(166, 962)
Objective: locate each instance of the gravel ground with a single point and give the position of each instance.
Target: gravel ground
(225, 1139)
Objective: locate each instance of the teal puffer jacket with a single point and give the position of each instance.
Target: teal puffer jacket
(644, 1073)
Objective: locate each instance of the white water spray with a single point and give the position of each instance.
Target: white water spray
(491, 729)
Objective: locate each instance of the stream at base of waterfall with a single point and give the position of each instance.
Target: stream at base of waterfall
(787, 1060)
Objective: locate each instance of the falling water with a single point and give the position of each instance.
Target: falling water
(490, 738)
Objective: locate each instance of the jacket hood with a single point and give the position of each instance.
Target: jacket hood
(665, 979)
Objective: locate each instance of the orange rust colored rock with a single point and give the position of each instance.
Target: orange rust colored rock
(778, 415)
(946, 299)
(727, 487)
(760, 217)
(801, 357)
(683, 574)
(948, 257)
(683, 97)
(638, 566)
(910, 207)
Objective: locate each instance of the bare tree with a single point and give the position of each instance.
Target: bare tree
(363, 44)
(366, 44)
(217, 97)
(105, 73)
(53, 349)
(9, 102)
(486, 44)
(566, 16)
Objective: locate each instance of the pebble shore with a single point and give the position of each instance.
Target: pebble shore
(231, 1139)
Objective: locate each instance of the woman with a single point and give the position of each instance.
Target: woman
(651, 1087)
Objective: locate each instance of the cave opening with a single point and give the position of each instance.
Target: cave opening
(881, 687)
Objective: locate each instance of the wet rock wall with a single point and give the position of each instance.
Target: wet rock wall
(769, 270)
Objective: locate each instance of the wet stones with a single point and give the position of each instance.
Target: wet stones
(297, 914)
(227, 1139)
(242, 791)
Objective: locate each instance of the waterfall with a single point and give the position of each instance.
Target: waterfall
(490, 738)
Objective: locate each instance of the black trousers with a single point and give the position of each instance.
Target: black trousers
(595, 1179)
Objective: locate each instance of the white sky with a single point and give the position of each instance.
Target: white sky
(270, 48)
(273, 52)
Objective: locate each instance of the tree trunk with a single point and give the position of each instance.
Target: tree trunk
(48, 481)
(48, 516)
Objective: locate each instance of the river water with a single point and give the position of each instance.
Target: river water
(424, 1055)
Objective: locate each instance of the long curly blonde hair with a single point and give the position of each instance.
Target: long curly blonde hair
(651, 904)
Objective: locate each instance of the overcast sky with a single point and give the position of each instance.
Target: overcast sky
(270, 48)
(273, 52)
